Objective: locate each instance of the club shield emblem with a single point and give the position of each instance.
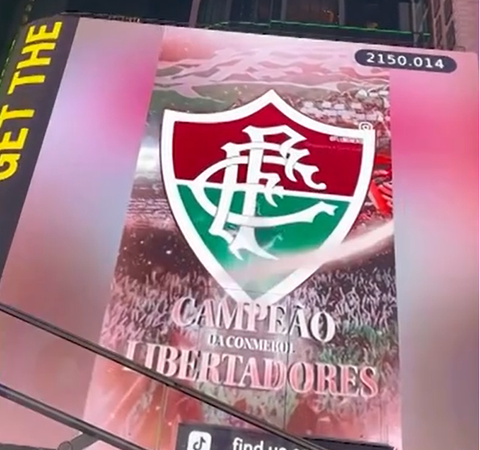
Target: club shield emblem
(259, 183)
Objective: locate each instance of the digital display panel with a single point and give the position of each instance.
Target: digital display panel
(229, 220)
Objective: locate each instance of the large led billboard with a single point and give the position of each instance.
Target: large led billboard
(220, 207)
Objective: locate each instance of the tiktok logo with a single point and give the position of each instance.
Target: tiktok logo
(198, 440)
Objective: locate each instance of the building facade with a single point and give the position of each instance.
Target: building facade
(446, 24)
(401, 22)
(392, 22)
(455, 24)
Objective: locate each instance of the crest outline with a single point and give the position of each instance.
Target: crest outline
(184, 222)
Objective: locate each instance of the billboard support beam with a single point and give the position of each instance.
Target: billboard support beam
(80, 442)
(194, 13)
(91, 432)
(162, 379)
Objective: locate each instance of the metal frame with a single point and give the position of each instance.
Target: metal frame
(80, 442)
(90, 433)
(122, 361)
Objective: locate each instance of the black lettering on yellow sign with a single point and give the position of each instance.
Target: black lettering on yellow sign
(39, 43)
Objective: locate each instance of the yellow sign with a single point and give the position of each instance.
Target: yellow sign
(37, 49)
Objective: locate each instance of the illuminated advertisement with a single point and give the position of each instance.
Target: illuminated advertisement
(236, 232)
(256, 176)
(257, 258)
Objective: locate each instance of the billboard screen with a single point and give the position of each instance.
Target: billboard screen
(256, 261)
(228, 221)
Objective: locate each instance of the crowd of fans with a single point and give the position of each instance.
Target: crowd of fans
(157, 267)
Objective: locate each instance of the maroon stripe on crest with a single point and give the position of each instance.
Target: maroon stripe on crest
(197, 146)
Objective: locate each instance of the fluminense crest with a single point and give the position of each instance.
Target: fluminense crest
(259, 183)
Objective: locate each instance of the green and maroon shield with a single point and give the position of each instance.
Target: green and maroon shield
(251, 186)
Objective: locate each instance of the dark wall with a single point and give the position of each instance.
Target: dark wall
(134, 8)
(365, 13)
(16, 13)
(173, 11)
(10, 19)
